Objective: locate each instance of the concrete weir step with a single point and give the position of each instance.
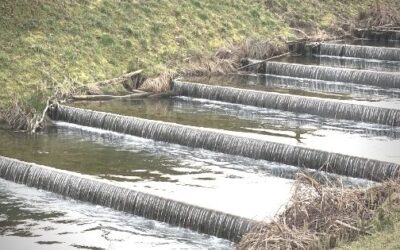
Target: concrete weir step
(224, 142)
(364, 77)
(358, 51)
(378, 35)
(292, 103)
(101, 192)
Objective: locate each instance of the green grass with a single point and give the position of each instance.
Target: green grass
(386, 236)
(50, 43)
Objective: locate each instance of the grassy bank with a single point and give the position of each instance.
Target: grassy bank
(49, 46)
(384, 237)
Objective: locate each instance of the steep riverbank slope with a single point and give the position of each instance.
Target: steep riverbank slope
(53, 46)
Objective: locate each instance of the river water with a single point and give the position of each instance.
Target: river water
(35, 219)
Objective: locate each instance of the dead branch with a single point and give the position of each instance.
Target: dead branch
(351, 227)
(118, 79)
(162, 95)
(109, 97)
(262, 61)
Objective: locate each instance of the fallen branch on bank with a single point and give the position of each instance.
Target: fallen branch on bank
(262, 61)
(162, 95)
(38, 124)
(121, 78)
(352, 227)
(109, 97)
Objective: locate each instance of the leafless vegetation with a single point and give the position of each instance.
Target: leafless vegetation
(320, 216)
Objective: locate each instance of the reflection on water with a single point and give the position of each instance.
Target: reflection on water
(35, 219)
(353, 138)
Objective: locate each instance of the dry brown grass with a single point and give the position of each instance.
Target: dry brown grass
(228, 60)
(381, 13)
(224, 61)
(17, 117)
(319, 217)
(161, 83)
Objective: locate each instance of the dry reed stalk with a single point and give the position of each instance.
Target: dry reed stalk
(159, 84)
(320, 216)
(228, 60)
(382, 13)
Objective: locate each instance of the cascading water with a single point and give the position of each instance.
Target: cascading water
(365, 77)
(303, 86)
(230, 144)
(378, 35)
(146, 205)
(298, 104)
(369, 52)
(356, 63)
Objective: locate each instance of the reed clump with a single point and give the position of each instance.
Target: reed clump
(382, 13)
(228, 59)
(159, 84)
(322, 216)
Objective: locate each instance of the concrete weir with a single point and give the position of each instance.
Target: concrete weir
(100, 192)
(292, 103)
(365, 77)
(229, 144)
(378, 35)
(358, 51)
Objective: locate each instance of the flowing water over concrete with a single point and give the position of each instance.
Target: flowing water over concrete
(343, 62)
(292, 103)
(369, 52)
(352, 93)
(198, 177)
(374, 43)
(231, 144)
(365, 77)
(35, 219)
(379, 142)
(103, 193)
(378, 35)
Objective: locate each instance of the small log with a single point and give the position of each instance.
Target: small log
(258, 62)
(109, 97)
(138, 91)
(119, 79)
(93, 97)
(351, 227)
(162, 95)
(136, 95)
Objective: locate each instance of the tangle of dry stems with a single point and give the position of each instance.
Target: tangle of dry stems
(320, 216)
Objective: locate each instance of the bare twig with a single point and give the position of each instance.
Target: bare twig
(118, 79)
(351, 227)
(109, 97)
(262, 61)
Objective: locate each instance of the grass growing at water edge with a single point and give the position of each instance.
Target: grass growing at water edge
(56, 46)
